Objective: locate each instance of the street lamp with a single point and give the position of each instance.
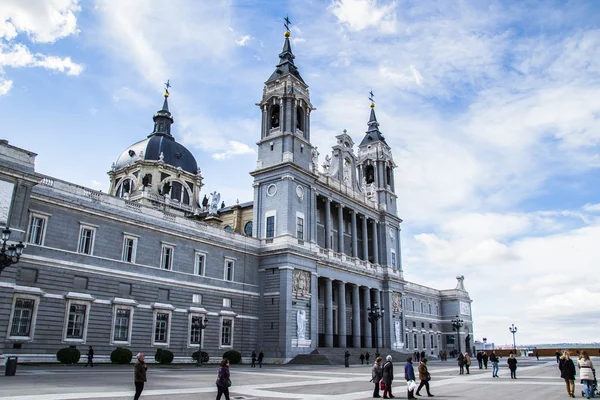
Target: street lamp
(457, 323)
(9, 255)
(200, 324)
(513, 330)
(375, 314)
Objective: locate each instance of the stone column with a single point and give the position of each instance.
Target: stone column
(355, 317)
(375, 245)
(365, 239)
(314, 309)
(366, 323)
(342, 331)
(314, 216)
(340, 228)
(354, 238)
(327, 223)
(328, 320)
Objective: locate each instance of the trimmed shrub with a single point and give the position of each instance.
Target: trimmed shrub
(204, 358)
(68, 355)
(121, 355)
(163, 356)
(233, 356)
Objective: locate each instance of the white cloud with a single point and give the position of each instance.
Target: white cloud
(243, 41)
(362, 14)
(235, 148)
(5, 86)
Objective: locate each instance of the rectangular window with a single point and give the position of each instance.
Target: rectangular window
(424, 341)
(226, 332)
(122, 322)
(161, 329)
(227, 302)
(437, 309)
(22, 317)
(200, 264)
(196, 323)
(270, 226)
(300, 228)
(414, 324)
(432, 346)
(429, 308)
(393, 260)
(76, 322)
(166, 258)
(37, 229)
(229, 266)
(86, 240)
(129, 249)
(197, 298)
(416, 341)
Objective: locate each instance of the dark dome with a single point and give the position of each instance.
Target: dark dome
(174, 153)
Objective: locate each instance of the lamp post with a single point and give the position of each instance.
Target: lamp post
(10, 254)
(513, 330)
(200, 325)
(457, 323)
(375, 314)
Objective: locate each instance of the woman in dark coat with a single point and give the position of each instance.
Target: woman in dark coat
(223, 381)
(424, 377)
(377, 374)
(461, 363)
(512, 365)
(409, 375)
(567, 372)
(139, 375)
(388, 377)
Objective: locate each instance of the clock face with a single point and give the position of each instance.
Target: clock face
(300, 192)
(271, 190)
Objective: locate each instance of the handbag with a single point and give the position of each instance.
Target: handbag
(381, 385)
(228, 382)
(428, 377)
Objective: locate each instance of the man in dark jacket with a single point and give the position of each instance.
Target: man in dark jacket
(409, 375)
(139, 375)
(480, 359)
(461, 363)
(495, 361)
(347, 359)
(485, 359)
(90, 357)
(388, 377)
(253, 359)
(261, 355)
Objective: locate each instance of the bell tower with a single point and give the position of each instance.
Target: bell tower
(286, 108)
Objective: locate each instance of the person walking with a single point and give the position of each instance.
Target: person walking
(253, 359)
(409, 375)
(537, 355)
(494, 360)
(261, 355)
(485, 357)
(387, 378)
(424, 377)
(557, 354)
(586, 373)
(377, 374)
(467, 362)
(90, 357)
(512, 365)
(223, 381)
(139, 375)
(347, 359)
(367, 356)
(362, 358)
(567, 372)
(461, 363)
(480, 359)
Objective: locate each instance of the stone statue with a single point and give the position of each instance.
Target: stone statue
(327, 164)
(223, 204)
(396, 303)
(161, 157)
(199, 172)
(347, 172)
(468, 343)
(205, 202)
(315, 159)
(141, 155)
(398, 333)
(301, 322)
(214, 202)
(301, 282)
(363, 185)
(113, 167)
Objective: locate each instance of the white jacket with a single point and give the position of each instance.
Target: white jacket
(585, 369)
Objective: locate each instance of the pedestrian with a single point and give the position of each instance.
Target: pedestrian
(557, 354)
(586, 373)
(253, 359)
(480, 359)
(261, 355)
(512, 365)
(377, 374)
(223, 380)
(567, 372)
(445, 356)
(347, 359)
(388, 377)
(424, 377)
(367, 356)
(422, 355)
(90, 357)
(461, 363)
(139, 375)
(467, 362)
(409, 375)
(362, 358)
(494, 360)
(485, 359)
(537, 355)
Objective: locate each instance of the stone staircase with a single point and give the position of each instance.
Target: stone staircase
(335, 356)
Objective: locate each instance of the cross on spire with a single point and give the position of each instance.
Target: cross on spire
(371, 97)
(287, 23)
(167, 86)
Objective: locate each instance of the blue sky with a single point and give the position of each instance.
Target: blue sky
(491, 109)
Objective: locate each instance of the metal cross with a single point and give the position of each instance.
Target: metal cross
(167, 86)
(287, 23)
(371, 96)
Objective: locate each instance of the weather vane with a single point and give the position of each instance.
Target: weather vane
(167, 86)
(287, 23)
(371, 97)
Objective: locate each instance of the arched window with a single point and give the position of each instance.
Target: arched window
(274, 116)
(179, 193)
(388, 175)
(248, 228)
(369, 174)
(229, 228)
(300, 119)
(126, 186)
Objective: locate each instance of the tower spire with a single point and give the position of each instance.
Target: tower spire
(163, 118)
(286, 57)
(373, 134)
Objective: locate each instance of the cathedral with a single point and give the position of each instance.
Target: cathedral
(313, 262)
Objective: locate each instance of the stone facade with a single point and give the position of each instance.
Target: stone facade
(296, 269)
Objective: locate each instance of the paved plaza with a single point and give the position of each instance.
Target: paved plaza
(536, 380)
